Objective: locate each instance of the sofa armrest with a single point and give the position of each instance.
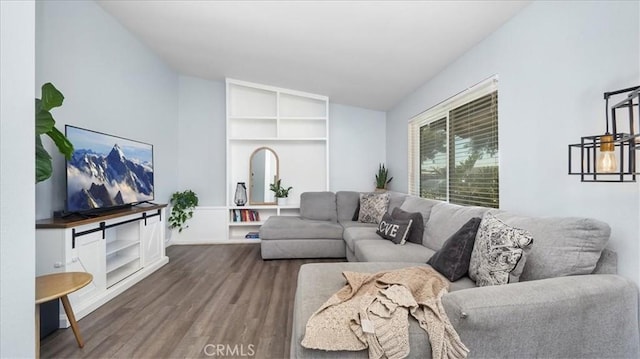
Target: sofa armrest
(577, 316)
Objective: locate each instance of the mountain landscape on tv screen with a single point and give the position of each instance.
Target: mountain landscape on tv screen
(100, 181)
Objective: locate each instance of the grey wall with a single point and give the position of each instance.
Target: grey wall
(554, 60)
(356, 147)
(202, 139)
(17, 214)
(112, 83)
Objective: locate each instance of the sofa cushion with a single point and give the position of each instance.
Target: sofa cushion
(417, 224)
(293, 227)
(563, 246)
(373, 206)
(499, 254)
(396, 199)
(395, 230)
(419, 205)
(347, 203)
(349, 224)
(445, 220)
(302, 248)
(354, 234)
(608, 263)
(452, 260)
(320, 206)
(385, 251)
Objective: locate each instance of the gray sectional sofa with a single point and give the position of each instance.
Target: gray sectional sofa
(569, 301)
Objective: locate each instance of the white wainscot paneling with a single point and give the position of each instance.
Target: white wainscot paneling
(208, 225)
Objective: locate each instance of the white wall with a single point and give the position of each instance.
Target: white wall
(356, 147)
(202, 140)
(554, 61)
(112, 83)
(17, 214)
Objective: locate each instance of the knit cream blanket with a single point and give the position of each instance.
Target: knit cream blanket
(371, 311)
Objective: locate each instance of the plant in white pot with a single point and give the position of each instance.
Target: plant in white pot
(281, 193)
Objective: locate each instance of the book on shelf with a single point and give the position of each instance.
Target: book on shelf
(245, 215)
(252, 235)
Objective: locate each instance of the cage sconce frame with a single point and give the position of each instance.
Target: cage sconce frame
(622, 145)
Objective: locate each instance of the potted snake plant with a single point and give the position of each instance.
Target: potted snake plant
(382, 178)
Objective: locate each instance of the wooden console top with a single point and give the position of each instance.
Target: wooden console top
(77, 220)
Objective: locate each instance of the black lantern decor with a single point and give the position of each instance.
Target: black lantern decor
(241, 194)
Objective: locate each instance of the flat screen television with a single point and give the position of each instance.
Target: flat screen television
(107, 171)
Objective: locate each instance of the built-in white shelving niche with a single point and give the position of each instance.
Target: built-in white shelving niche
(294, 124)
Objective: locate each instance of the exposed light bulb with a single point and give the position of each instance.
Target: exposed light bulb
(606, 162)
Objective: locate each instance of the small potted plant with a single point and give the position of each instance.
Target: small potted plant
(382, 178)
(281, 193)
(182, 205)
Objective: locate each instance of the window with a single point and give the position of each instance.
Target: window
(453, 149)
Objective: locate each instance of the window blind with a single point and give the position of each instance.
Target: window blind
(433, 160)
(453, 148)
(473, 153)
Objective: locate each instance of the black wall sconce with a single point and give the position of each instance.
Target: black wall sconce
(610, 157)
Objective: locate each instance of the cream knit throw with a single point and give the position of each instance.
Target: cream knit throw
(384, 299)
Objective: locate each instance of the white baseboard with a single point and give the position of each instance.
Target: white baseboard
(210, 241)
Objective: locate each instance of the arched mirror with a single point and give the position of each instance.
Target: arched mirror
(263, 166)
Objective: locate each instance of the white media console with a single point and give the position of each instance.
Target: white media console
(118, 248)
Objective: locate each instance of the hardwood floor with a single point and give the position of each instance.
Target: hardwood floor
(209, 301)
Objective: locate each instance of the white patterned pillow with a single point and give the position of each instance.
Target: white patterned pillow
(499, 252)
(373, 206)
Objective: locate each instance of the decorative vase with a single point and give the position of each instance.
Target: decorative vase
(380, 190)
(282, 201)
(241, 194)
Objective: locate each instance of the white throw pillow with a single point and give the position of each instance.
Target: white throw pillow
(373, 206)
(499, 253)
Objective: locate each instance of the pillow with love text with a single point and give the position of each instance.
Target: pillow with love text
(395, 230)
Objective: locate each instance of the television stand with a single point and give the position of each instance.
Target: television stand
(118, 247)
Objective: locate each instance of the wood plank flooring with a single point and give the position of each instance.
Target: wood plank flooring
(209, 301)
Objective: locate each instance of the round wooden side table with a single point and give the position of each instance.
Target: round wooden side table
(58, 285)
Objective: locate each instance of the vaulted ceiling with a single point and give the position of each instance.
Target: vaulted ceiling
(369, 54)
